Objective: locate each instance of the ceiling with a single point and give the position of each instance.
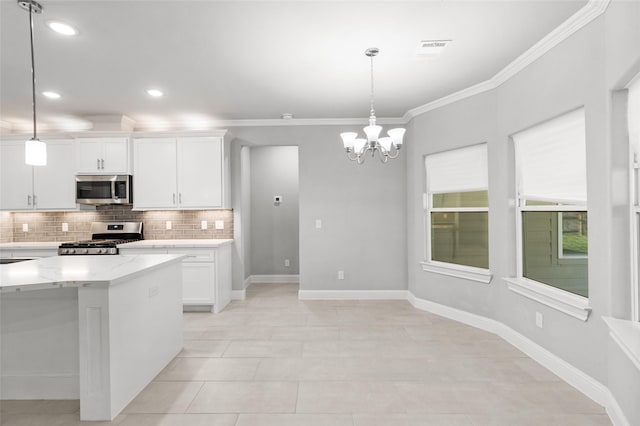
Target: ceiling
(248, 60)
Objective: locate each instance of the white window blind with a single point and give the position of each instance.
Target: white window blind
(459, 170)
(551, 160)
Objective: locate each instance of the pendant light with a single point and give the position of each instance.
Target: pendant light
(35, 152)
(387, 147)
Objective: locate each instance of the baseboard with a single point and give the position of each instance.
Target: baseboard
(272, 279)
(586, 384)
(616, 415)
(352, 295)
(52, 386)
(238, 294)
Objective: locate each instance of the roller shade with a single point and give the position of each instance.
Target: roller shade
(551, 160)
(459, 170)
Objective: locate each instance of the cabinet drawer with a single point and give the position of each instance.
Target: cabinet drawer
(194, 256)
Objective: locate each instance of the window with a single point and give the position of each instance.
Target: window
(457, 213)
(633, 119)
(551, 214)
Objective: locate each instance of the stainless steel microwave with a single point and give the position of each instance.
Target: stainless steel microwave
(104, 189)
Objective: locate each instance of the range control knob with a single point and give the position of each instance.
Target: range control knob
(70, 251)
(83, 251)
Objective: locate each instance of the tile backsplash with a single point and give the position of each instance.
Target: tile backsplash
(47, 226)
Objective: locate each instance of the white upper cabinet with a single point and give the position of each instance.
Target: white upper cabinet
(103, 155)
(179, 173)
(200, 172)
(50, 187)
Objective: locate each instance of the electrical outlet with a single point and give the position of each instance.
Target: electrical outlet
(25, 227)
(219, 224)
(287, 263)
(539, 320)
(318, 223)
(203, 224)
(65, 227)
(341, 275)
(167, 225)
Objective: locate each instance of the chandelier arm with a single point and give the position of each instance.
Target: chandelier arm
(384, 158)
(360, 159)
(351, 157)
(394, 155)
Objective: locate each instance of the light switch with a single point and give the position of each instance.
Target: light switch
(25, 227)
(219, 224)
(318, 223)
(65, 227)
(277, 199)
(167, 225)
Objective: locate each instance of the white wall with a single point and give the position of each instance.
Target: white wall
(274, 228)
(586, 69)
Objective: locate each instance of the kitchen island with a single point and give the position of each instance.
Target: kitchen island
(93, 328)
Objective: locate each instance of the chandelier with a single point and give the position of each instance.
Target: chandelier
(35, 153)
(387, 146)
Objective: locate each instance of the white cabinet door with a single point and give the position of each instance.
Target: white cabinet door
(16, 181)
(89, 155)
(154, 178)
(198, 283)
(115, 153)
(103, 155)
(200, 172)
(54, 185)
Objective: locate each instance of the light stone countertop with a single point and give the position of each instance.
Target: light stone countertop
(176, 243)
(31, 245)
(79, 271)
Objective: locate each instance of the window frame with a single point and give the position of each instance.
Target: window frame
(472, 273)
(562, 300)
(634, 218)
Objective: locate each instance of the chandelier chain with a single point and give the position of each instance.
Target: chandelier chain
(373, 112)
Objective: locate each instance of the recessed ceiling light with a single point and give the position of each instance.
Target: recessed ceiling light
(155, 93)
(51, 95)
(430, 48)
(62, 28)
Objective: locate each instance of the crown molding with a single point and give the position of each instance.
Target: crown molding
(578, 20)
(148, 126)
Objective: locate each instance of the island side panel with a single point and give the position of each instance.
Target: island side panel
(39, 351)
(143, 333)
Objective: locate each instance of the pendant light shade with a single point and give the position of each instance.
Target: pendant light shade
(35, 151)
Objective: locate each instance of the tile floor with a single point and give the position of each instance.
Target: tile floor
(275, 360)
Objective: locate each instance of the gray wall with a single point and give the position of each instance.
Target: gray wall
(586, 69)
(362, 209)
(274, 229)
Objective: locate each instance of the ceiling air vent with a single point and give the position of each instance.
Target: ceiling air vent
(431, 48)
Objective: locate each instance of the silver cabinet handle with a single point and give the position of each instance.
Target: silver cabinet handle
(102, 164)
(174, 198)
(98, 163)
(28, 200)
(180, 198)
(35, 200)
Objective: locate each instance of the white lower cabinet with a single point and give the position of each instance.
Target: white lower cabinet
(206, 275)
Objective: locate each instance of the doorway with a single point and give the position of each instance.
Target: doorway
(274, 218)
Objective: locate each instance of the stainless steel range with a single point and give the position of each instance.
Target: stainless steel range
(105, 237)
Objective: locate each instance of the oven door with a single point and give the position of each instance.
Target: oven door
(95, 190)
